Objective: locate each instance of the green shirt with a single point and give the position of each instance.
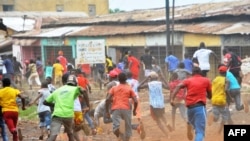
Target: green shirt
(63, 98)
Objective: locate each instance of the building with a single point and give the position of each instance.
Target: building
(91, 7)
(219, 25)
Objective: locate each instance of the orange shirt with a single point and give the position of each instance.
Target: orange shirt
(8, 97)
(121, 95)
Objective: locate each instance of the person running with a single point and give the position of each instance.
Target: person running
(133, 65)
(17, 71)
(179, 100)
(156, 100)
(171, 63)
(198, 89)
(134, 85)
(233, 62)
(120, 95)
(43, 111)
(33, 74)
(62, 60)
(188, 63)
(63, 100)
(182, 73)
(48, 70)
(220, 86)
(58, 71)
(202, 55)
(146, 60)
(10, 107)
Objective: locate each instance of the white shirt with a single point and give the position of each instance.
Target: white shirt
(203, 58)
(77, 105)
(41, 107)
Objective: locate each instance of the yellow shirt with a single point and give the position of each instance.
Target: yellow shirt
(8, 97)
(218, 91)
(58, 69)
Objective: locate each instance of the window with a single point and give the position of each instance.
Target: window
(59, 8)
(92, 10)
(8, 8)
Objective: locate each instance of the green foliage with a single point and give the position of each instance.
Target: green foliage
(29, 113)
(116, 10)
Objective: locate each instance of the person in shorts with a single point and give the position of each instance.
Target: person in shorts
(43, 111)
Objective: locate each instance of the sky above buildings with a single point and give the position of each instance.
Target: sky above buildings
(129, 5)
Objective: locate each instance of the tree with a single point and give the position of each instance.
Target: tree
(116, 10)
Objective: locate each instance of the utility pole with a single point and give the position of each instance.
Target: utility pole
(173, 8)
(167, 27)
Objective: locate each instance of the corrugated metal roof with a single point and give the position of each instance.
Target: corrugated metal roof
(181, 13)
(110, 30)
(57, 32)
(18, 23)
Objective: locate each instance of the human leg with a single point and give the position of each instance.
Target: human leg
(157, 117)
(173, 115)
(197, 117)
(235, 93)
(56, 124)
(90, 122)
(116, 117)
(126, 116)
(3, 130)
(68, 126)
(10, 118)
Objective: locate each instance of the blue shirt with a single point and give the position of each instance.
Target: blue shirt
(172, 62)
(188, 64)
(232, 80)
(9, 66)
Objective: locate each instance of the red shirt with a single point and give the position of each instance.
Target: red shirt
(82, 81)
(121, 95)
(181, 93)
(63, 62)
(197, 87)
(86, 68)
(135, 66)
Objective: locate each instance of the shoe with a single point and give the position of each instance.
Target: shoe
(121, 136)
(94, 132)
(41, 137)
(170, 129)
(210, 119)
(190, 131)
(141, 131)
(246, 107)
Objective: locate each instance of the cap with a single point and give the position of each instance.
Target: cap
(153, 75)
(72, 80)
(113, 74)
(222, 69)
(60, 52)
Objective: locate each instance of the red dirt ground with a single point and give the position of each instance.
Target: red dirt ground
(31, 132)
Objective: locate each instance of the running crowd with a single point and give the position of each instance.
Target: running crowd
(68, 105)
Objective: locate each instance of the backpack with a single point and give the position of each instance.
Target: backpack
(236, 60)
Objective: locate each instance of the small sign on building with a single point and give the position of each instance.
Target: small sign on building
(90, 51)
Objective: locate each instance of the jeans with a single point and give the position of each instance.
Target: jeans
(89, 120)
(45, 119)
(197, 118)
(3, 133)
(235, 94)
(223, 111)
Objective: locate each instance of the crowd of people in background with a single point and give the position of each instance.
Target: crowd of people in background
(63, 97)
